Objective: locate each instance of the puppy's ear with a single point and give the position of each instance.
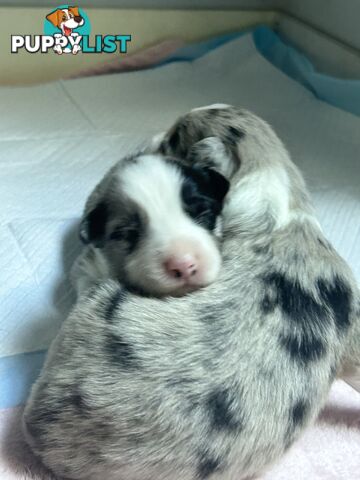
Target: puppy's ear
(54, 18)
(93, 226)
(212, 152)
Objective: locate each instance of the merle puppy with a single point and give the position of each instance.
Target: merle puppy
(216, 384)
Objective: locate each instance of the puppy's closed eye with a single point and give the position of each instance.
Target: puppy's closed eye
(203, 193)
(118, 234)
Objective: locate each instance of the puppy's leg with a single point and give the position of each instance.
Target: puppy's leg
(89, 268)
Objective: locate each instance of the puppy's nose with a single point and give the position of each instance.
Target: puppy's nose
(183, 267)
(78, 19)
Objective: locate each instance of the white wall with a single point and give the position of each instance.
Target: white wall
(338, 18)
(168, 4)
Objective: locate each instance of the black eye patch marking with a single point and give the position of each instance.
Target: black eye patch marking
(130, 231)
(198, 207)
(202, 193)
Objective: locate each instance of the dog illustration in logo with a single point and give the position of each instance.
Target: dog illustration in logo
(66, 20)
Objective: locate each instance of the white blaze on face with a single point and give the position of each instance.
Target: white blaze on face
(175, 253)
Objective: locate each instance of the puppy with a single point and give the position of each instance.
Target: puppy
(152, 223)
(219, 383)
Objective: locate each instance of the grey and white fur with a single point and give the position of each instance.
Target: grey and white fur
(219, 383)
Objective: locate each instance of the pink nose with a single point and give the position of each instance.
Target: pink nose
(181, 267)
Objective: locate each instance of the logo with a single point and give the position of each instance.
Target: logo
(67, 30)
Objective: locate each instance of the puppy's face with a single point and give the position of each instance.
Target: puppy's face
(156, 223)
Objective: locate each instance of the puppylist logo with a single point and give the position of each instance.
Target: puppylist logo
(67, 30)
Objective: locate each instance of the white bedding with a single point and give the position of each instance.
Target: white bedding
(57, 140)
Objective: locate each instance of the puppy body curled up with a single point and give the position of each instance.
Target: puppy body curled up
(216, 384)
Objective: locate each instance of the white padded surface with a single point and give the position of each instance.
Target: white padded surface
(56, 141)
